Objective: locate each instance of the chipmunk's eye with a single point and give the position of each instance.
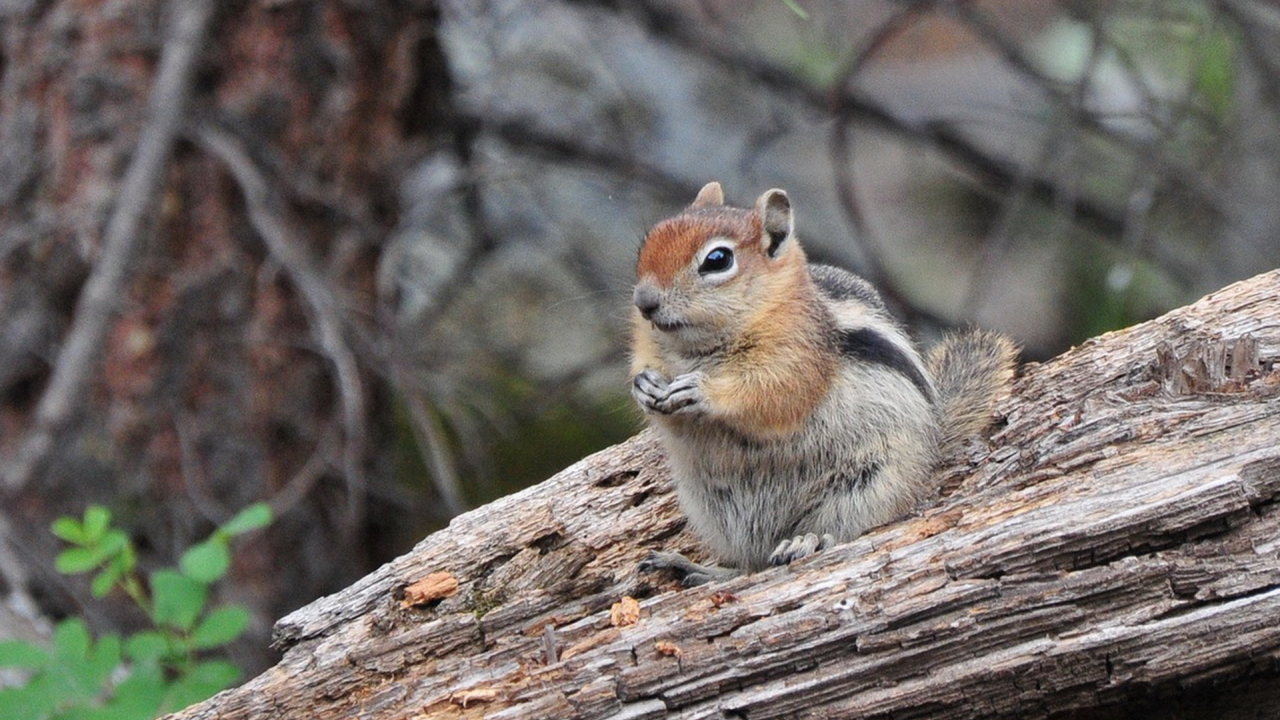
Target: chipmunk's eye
(716, 261)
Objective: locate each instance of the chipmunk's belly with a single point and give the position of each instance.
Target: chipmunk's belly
(853, 467)
(744, 502)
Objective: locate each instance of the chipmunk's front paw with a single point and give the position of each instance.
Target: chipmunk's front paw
(788, 551)
(682, 396)
(650, 390)
(685, 396)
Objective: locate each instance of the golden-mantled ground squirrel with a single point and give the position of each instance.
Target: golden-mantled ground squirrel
(794, 409)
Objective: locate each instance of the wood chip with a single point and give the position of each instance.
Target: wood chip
(478, 695)
(668, 648)
(435, 586)
(624, 612)
(720, 598)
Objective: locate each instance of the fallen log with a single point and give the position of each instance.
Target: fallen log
(1114, 550)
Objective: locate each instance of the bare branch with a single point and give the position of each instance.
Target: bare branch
(434, 449)
(305, 478)
(1248, 23)
(851, 207)
(268, 215)
(193, 474)
(902, 19)
(525, 135)
(13, 571)
(842, 151)
(100, 298)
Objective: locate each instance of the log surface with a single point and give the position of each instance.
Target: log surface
(1116, 546)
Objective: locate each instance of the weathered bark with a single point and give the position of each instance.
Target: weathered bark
(1118, 547)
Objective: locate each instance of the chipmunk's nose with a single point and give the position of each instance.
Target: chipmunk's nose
(647, 299)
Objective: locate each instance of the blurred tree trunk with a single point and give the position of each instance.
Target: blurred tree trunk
(1114, 555)
(221, 308)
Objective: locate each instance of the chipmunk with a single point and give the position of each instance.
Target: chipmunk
(794, 410)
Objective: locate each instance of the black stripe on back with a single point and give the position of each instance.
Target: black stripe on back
(843, 285)
(870, 346)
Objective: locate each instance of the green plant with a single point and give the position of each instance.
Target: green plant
(147, 673)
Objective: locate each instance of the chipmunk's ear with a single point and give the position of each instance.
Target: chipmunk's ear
(710, 195)
(774, 209)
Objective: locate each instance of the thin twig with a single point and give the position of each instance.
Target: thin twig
(903, 18)
(850, 205)
(193, 474)
(14, 572)
(1255, 45)
(305, 478)
(100, 298)
(523, 133)
(842, 153)
(435, 451)
(267, 214)
(996, 243)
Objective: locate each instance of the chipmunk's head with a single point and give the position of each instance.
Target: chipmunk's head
(712, 270)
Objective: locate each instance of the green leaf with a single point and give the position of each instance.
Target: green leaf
(72, 679)
(76, 560)
(203, 682)
(97, 519)
(32, 700)
(80, 668)
(45, 693)
(146, 646)
(220, 627)
(106, 580)
(68, 529)
(14, 704)
(137, 697)
(83, 559)
(177, 599)
(71, 640)
(257, 515)
(103, 582)
(112, 543)
(104, 656)
(16, 653)
(206, 562)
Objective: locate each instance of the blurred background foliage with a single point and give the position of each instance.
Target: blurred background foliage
(385, 274)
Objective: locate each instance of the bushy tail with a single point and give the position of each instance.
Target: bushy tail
(970, 370)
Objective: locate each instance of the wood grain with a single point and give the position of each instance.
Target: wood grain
(1116, 550)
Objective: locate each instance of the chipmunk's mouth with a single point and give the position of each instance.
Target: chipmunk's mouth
(667, 326)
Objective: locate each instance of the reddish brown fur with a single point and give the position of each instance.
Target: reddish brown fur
(784, 369)
(768, 382)
(671, 244)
